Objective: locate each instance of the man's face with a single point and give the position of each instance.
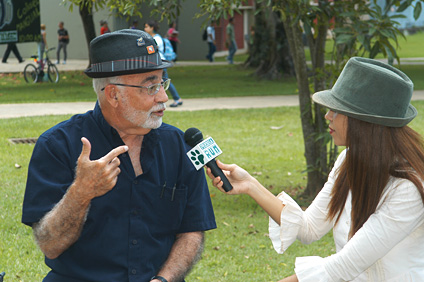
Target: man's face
(137, 107)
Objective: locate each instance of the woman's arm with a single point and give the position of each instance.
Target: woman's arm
(244, 183)
(292, 278)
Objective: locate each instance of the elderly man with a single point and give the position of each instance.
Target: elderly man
(111, 194)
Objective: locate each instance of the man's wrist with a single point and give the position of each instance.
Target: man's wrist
(160, 278)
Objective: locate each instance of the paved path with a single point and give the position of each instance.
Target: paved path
(37, 109)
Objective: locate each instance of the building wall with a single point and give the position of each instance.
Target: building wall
(51, 13)
(192, 47)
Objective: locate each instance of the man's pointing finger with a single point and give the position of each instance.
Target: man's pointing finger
(115, 152)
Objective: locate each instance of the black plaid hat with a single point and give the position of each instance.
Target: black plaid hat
(123, 52)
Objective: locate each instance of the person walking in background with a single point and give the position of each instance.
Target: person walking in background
(104, 28)
(42, 46)
(152, 28)
(373, 198)
(63, 38)
(11, 47)
(210, 31)
(231, 41)
(172, 35)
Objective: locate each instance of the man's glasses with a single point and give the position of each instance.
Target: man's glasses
(151, 89)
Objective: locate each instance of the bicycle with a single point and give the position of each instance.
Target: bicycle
(36, 74)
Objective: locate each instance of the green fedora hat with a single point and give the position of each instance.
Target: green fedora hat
(122, 52)
(371, 91)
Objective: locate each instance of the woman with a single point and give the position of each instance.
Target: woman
(172, 35)
(152, 28)
(374, 195)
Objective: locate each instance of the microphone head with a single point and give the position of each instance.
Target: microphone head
(193, 136)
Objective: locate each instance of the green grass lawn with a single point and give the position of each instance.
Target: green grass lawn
(239, 249)
(190, 81)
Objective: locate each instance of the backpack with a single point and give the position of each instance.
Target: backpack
(168, 51)
(205, 35)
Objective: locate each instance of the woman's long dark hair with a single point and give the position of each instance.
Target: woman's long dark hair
(375, 153)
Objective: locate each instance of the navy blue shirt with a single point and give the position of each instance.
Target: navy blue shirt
(130, 230)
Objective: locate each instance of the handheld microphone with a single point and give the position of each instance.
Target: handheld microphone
(2, 276)
(194, 137)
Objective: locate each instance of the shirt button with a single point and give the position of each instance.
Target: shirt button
(135, 182)
(134, 212)
(134, 242)
(134, 271)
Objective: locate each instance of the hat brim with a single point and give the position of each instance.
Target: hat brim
(326, 99)
(90, 73)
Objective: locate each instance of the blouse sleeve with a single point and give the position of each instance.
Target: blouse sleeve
(398, 215)
(309, 225)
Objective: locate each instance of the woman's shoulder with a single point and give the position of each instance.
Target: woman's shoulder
(340, 158)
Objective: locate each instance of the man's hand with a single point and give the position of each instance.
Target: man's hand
(96, 178)
(62, 226)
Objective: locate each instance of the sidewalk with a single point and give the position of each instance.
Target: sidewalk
(38, 109)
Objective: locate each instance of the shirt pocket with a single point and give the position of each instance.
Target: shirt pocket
(166, 207)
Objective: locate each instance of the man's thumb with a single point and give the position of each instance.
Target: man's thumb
(86, 148)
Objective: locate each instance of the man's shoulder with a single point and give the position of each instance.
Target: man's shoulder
(67, 127)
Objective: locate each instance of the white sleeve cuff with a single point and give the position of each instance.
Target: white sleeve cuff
(291, 220)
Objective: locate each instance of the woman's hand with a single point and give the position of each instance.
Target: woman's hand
(244, 183)
(240, 179)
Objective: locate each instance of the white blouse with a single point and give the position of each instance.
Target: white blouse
(388, 247)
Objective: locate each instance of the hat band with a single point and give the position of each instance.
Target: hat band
(142, 62)
(351, 106)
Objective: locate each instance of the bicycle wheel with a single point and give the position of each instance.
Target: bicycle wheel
(30, 73)
(53, 73)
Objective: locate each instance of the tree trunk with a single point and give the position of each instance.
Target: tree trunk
(320, 79)
(269, 52)
(88, 23)
(294, 36)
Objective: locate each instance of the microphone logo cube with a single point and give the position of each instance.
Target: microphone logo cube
(203, 153)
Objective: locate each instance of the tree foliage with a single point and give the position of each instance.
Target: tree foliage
(162, 9)
(360, 28)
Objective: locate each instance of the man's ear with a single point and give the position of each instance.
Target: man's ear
(112, 95)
